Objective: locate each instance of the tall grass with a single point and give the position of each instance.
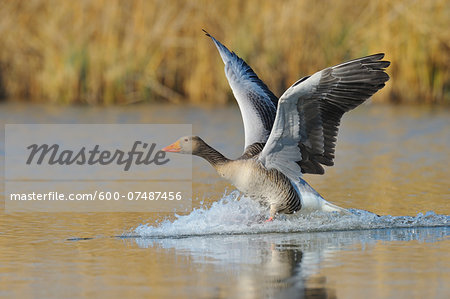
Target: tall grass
(112, 51)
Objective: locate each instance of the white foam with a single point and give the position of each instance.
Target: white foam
(234, 214)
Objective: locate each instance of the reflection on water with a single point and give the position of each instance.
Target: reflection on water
(274, 267)
(286, 265)
(392, 161)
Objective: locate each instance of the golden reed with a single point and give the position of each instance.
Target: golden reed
(115, 52)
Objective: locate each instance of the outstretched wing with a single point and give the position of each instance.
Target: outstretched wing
(257, 103)
(309, 112)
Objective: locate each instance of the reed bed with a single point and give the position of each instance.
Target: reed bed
(117, 52)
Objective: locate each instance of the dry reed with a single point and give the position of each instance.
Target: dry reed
(109, 52)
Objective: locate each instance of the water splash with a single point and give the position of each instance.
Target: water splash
(240, 215)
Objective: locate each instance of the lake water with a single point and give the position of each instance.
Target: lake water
(392, 161)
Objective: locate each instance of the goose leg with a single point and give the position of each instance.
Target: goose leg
(273, 211)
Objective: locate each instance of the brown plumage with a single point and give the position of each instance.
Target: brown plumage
(291, 135)
(266, 186)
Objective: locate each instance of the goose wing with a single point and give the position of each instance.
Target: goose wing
(308, 115)
(257, 103)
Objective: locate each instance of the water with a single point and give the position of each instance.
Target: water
(240, 215)
(392, 161)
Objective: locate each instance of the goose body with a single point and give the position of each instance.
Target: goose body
(267, 186)
(287, 137)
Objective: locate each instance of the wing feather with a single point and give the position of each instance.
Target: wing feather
(256, 102)
(318, 103)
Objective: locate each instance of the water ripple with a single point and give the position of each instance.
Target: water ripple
(234, 214)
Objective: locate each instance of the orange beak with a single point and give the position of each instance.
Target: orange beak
(174, 147)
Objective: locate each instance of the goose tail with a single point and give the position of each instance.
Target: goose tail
(329, 207)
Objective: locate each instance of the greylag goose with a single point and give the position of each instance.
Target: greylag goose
(291, 135)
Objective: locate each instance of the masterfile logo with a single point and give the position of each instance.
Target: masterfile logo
(51, 155)
(96, 167)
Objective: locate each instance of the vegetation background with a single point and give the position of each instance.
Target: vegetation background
(118, 52)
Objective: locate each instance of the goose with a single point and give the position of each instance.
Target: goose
(290, 136)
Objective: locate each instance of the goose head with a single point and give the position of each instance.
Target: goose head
(194, 145)
(185, 145)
